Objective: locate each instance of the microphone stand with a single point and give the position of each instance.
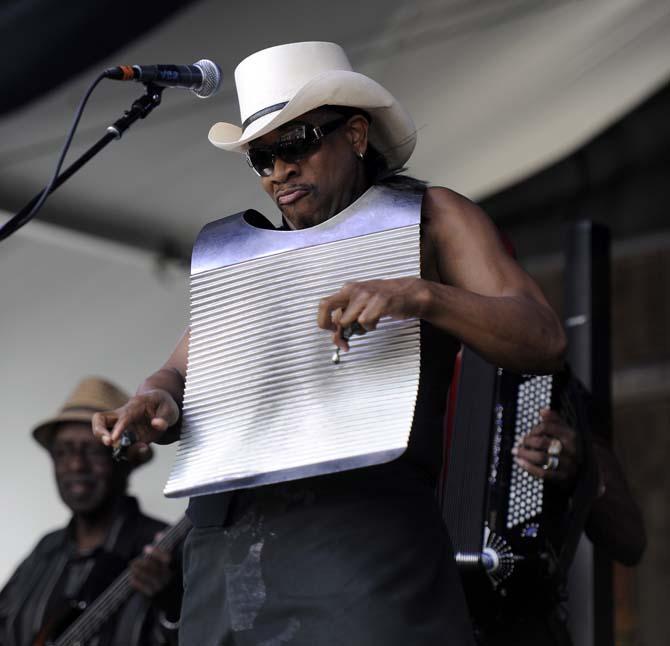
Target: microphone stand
(140, 109)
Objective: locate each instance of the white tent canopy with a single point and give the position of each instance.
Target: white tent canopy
(498, 89)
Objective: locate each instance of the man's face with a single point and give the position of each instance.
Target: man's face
(316, 187)
(84, 469)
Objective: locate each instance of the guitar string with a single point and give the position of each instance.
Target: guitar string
(101, 607)
(91, 617)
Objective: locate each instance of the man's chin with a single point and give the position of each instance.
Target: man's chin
(82, 504)
(303, 218)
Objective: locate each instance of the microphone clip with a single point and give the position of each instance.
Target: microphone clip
(140, 109)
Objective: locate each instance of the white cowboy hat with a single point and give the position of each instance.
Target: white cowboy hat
(277, 85)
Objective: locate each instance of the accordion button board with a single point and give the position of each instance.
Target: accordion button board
(526, 491)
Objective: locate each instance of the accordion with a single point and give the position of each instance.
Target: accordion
(503, 521)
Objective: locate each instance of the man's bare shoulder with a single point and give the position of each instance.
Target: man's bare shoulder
(441, 204)
(467, 245)
(448, 216)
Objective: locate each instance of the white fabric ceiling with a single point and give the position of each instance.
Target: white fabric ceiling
(498, 89)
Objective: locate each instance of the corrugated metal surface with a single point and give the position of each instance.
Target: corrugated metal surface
(263, 400)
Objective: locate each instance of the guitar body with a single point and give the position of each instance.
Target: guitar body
(107, 568)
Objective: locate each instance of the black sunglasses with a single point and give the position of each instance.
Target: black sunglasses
(295, 144)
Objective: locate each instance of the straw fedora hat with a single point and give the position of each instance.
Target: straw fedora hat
(277, 85)
(91, 395)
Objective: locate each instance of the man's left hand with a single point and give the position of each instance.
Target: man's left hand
(550, 450)
(151, 573)
(366, 302)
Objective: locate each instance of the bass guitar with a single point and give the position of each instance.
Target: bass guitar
(81, 621)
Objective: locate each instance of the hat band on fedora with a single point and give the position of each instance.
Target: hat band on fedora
(85, 409)
(261, 113)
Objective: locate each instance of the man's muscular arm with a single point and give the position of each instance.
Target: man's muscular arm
(470, 288)
(483, 297)
(154, 413)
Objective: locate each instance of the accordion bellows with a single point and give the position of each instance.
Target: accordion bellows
(263, 400)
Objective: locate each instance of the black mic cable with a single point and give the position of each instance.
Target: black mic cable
(203, 78)
(16, 222)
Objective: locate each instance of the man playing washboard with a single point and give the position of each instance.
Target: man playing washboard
(362, 556)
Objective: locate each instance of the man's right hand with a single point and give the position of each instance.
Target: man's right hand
(147, 415)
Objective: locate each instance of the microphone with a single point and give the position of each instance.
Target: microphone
(203, 78)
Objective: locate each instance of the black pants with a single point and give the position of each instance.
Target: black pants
(322, 562)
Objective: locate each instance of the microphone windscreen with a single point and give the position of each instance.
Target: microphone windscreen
(211, 79)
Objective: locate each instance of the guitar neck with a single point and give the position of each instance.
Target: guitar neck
(90, 621)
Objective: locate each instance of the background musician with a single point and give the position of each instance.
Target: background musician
(534, 612)
(107, 534)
